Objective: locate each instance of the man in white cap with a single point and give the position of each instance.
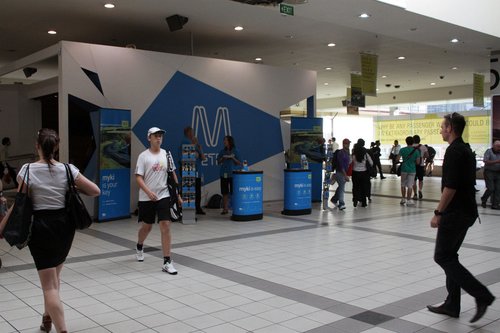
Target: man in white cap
(151, 173)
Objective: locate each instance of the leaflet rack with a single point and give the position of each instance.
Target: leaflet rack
(188, 180)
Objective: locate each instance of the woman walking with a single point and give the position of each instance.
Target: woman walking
(360, 174)
(52, 234)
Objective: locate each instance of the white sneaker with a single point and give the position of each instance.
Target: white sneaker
(139, 254)
(402, 202)
(410, 202)
(169, 268)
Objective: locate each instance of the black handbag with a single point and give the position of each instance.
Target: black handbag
(17, 231)
(76, 211)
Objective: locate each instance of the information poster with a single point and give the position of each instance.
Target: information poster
(297, 190)
(247, 193)
(114, 164)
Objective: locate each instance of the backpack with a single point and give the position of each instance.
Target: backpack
(432, 152)
(215, 201)
(335, 162)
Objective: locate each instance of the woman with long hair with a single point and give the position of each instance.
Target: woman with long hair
(360, 174)
(51, 234)
(229, 160)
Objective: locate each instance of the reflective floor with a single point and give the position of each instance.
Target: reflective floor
(359, 270)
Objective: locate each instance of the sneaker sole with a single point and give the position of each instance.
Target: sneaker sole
(164, 270)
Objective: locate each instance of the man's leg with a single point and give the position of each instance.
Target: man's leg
(199, 210)
(496, 191)
(166, 237)
(339, 193)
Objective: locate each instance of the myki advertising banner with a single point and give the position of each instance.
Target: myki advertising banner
(297, 190)
(114, 164)
(306, 135)
(247, 193)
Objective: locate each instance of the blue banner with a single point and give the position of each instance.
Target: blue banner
(306, 135)
(114, 164)
(247, 193)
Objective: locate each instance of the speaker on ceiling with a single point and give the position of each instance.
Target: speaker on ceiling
(176, 22)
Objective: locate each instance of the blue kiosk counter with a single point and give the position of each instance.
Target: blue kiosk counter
(297, 198)
(247, 195)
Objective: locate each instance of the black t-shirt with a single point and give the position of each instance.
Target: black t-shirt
(459, 173)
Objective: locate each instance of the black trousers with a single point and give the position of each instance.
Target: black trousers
(451, 233)
(377, 163)
(361, 186)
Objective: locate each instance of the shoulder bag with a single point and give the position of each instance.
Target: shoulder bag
(17, 231)
(76, 211)
(398, 170)
(173, 190)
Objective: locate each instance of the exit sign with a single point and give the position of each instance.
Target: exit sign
(286, 9)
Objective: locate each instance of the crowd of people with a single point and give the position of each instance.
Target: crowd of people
(52, 235)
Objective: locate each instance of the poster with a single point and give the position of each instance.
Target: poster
(114, 164)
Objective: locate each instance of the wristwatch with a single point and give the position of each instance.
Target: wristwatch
(438, 213)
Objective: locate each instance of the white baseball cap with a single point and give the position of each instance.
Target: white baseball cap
(154, 130)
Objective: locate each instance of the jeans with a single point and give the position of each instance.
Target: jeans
(492, 179)
(451, 233)
(339, 192)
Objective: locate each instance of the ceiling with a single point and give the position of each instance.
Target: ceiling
(298, 41)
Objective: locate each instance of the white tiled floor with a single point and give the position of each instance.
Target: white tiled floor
(313, 273)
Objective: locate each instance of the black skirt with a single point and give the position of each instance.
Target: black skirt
(51, 238)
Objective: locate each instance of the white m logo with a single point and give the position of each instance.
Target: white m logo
(221, 118)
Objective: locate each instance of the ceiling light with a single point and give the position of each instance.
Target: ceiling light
(330, 44)
(433, 83)
(328, 68)
(364, 15)
(238, 28)
(289, 36)
(109, 5)
(454, 68)
(258, 59)
(384, 76)
(401, 58)
(454, 40)
(52, 32)
(326, 83)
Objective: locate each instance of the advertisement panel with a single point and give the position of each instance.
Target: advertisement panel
(114, 164)
(297, 190)
(247, 195)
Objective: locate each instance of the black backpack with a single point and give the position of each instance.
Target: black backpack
(432, 151)
(334, 160)
(215, 201)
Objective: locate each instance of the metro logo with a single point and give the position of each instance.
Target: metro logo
(221, 119)
(213, 114)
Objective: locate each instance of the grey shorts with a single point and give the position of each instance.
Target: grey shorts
(407, 179)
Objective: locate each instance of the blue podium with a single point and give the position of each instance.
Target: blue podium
(297, 192)
(247, 195)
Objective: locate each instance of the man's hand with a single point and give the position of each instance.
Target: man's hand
(435, 221)
(152, 196)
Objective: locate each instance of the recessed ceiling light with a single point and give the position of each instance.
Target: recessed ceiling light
(454, 40)
(289, 36)
(326, 83)
(330, 44)
(433, 83)
(401, 58)
(328, 68)
(454, 68)
(238, 28)
(52, 32)
(364, 15)
(258, 59)
(109, 5)
(384, 76)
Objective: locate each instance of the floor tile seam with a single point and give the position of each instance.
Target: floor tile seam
(418, 238)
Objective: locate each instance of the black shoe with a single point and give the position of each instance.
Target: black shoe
(355, 204)
(442, 310)
(495, 207)
(200, 212)
(483, 203)
(480, 310)
(420, 195)
(382, 177)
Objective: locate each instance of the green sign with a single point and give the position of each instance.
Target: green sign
(286, 9)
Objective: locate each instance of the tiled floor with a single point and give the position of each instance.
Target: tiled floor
(358, 270)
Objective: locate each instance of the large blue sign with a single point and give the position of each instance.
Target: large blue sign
(213, 114)
(297, 192)
(247, 195)
(114, 164)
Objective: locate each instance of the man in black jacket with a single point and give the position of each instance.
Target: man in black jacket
(455, 213)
